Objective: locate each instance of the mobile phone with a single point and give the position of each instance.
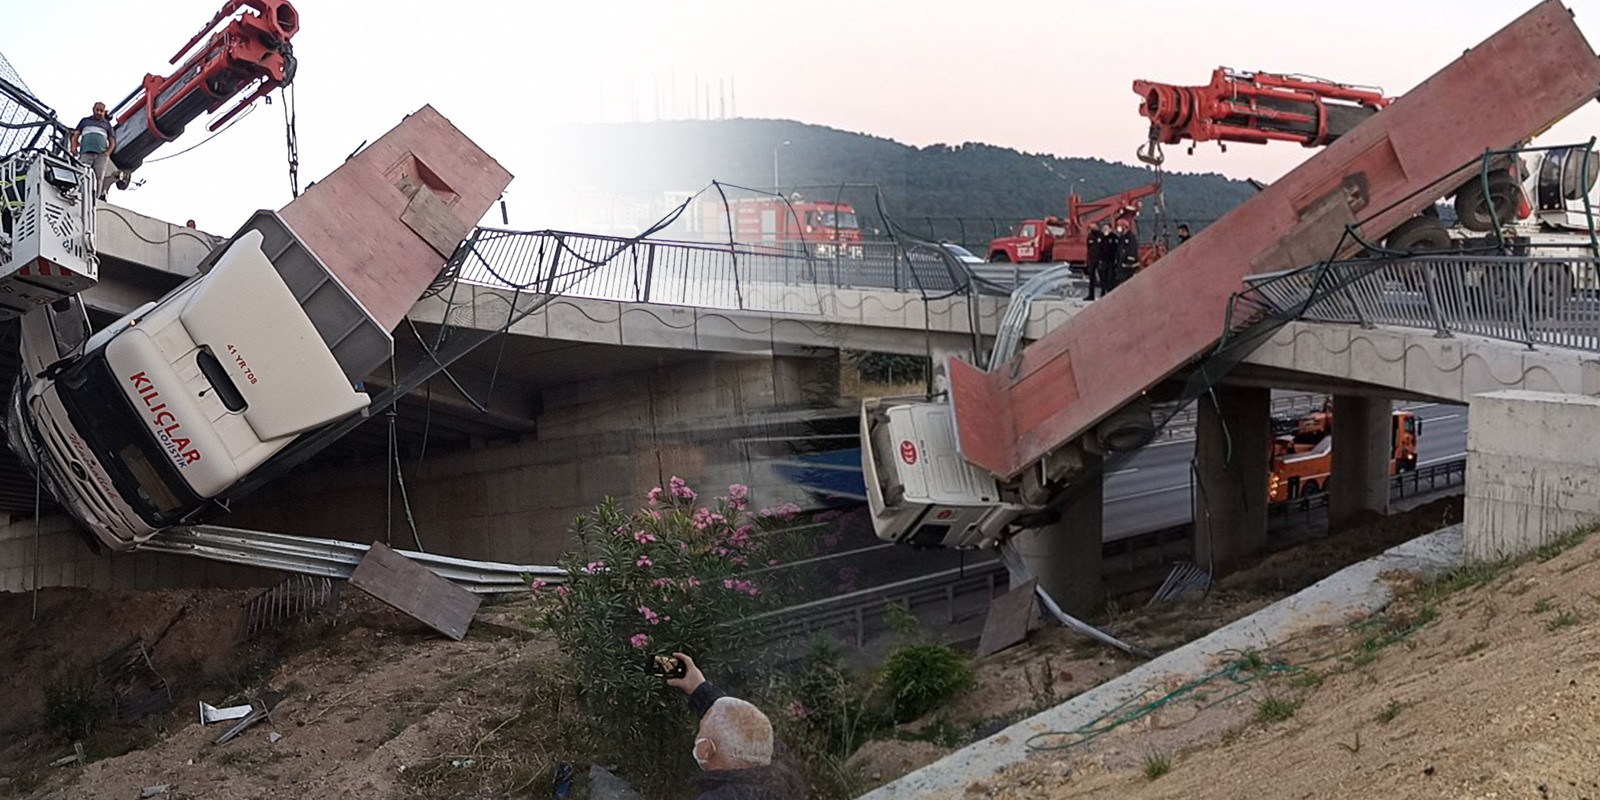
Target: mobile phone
(665, 666)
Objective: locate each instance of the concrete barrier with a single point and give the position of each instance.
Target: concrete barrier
(1533, 470)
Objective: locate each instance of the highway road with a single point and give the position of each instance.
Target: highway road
(1152, 490)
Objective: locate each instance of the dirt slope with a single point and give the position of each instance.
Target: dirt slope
(1495, 696)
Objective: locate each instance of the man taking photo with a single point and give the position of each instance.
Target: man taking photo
(734, 745)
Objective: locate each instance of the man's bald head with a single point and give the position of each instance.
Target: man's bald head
(742, 735)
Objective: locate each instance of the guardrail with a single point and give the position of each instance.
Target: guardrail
(333, 558)
(1546, 300)
(1121, 556)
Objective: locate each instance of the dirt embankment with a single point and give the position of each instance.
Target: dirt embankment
(1484, 687)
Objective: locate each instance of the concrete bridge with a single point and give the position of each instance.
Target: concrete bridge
(610, 384)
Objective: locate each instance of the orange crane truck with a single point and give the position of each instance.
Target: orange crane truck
(1302, 462)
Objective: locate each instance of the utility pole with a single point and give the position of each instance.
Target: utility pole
(777, 187)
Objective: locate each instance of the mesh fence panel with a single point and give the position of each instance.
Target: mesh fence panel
(19, 127)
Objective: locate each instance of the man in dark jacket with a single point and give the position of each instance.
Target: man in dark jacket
(1125, 255)
(1099, 246)
(735, 746)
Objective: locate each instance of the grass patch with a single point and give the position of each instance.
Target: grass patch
(1390, 711)
(1544, 605)
(1565, 619)
(1276, 709)
(1384, 630)
(1476, 647)
(1156, 765)
(1468, 576)
(1307, 679)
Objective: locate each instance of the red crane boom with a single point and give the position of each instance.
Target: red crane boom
(252, 49)
(1256, 107)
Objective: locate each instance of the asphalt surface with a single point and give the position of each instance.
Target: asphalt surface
(1152, 490)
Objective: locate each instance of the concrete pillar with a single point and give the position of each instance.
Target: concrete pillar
(1533, 471)
(1066, 556)
(1362, 448)
(1233, 440)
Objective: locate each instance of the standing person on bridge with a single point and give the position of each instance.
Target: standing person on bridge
(1098, 245)
(92, 143)
(735, 746)
(1124, 254)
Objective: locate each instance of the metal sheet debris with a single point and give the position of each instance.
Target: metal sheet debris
(411, 588)
(210, 713)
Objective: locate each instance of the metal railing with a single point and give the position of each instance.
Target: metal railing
(332, 558)
(734, 275)
(1546, 300)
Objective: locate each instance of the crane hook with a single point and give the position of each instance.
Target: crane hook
(1150, 153)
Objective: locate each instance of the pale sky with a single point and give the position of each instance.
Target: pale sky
(1048, 77)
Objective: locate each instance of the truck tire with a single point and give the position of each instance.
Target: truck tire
(1128, 428)
(1419, 235)
(1552, 285)
(1473, 210)
(1000, 257)
(1423, 234)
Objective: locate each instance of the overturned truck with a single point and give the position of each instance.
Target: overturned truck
(147, 423)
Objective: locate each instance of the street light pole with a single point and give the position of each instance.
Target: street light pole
(776, 187)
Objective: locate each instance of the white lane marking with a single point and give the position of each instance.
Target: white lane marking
(1189, 440)
(1128, 471)
(1137, 495)
(1442, 458)
(1445, 417)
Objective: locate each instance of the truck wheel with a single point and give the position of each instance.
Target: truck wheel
(1552, 285)
(1000, 257)
(1473, 210)
(1128, 428)
(1307, 489)
(1418, 235)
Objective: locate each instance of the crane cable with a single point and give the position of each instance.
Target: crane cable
(291, 137)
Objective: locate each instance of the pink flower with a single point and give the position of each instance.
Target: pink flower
(787, 511)
(650, 616)
(741, 537)
(639, 640)
(748, 587)
(594, 566)
(654, 496)
(681, 489)
(738, 495)
(693, 581)
(772, 562)
(644, 561)
(643, 537)
(798, 710)
(563, 591)
(660, 582)
(739, 561)
(832, 539)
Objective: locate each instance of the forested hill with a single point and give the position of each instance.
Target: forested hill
(972, 181)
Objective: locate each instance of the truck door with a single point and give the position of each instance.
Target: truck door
(769, 224)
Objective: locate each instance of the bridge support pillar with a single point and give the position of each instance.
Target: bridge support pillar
(1533, 472)
(1233, 437)
(1362, 447)
(1066, 556)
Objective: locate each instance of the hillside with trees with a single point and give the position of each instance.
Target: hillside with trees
(925, 189)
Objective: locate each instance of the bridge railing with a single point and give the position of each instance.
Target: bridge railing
(1548, 301)
(769, 276)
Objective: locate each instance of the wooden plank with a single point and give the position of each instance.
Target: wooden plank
(414, 589)
(1009, 618)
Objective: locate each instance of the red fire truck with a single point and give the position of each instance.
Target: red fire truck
(831, 229)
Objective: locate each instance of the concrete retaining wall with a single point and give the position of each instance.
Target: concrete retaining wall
(1533, 470)
(64, 559)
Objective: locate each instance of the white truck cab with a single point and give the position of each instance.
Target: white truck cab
(142, 425)
(920, 490)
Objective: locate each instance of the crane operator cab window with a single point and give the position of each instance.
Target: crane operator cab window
(1027, 231)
